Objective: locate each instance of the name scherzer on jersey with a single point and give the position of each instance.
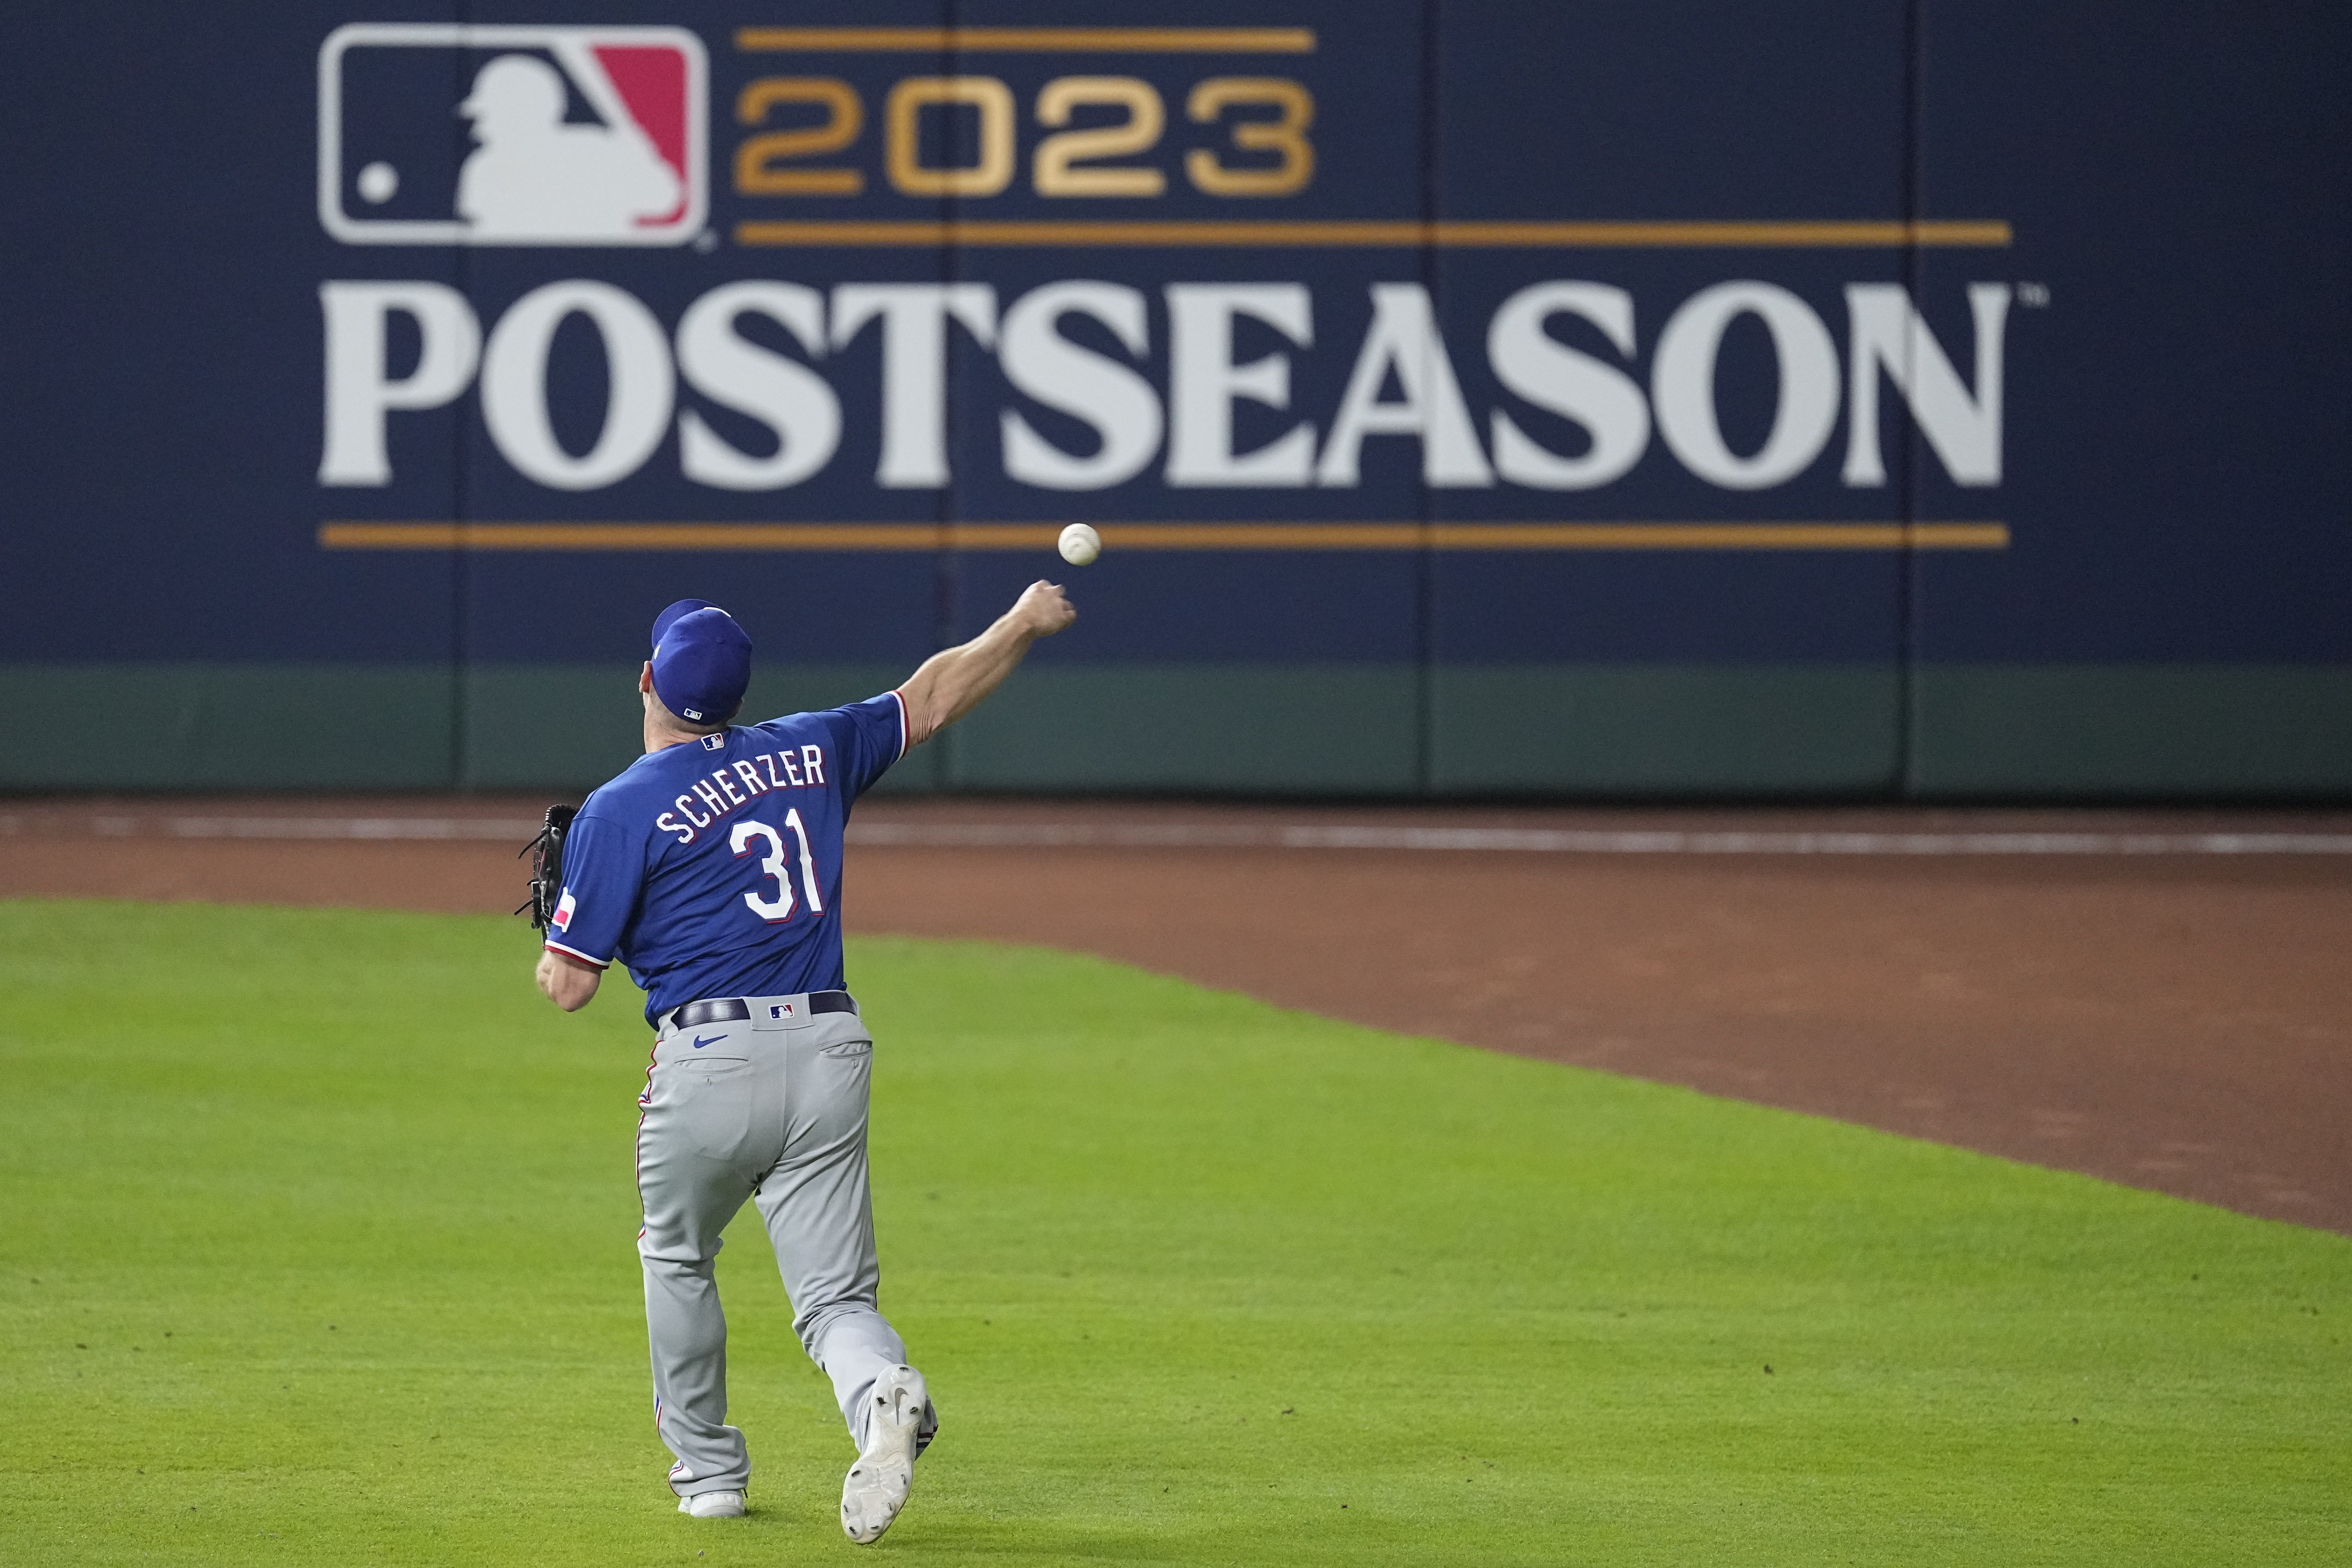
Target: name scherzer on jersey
(713, 868)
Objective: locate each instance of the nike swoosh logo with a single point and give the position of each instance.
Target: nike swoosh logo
(700, 1042)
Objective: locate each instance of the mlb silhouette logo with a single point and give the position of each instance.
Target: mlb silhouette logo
(441, 134)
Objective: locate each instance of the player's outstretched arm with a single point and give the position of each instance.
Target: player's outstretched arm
(950, 684)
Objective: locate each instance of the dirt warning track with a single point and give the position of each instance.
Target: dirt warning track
(2163, 999)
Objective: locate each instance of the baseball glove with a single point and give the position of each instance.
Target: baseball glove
(546, 853)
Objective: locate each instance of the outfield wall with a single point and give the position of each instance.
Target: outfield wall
(1479, 398)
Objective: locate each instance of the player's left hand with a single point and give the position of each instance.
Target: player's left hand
(1044, 608)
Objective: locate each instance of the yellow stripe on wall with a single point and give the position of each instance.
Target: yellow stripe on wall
(1040, 40)
(1374, 234)
(1161, 536)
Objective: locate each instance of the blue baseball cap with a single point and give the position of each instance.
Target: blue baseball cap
(668, 618)
(702, 661)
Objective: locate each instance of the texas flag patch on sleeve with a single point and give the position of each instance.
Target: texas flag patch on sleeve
(563, 908)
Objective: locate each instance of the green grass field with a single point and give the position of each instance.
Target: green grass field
(317, 1248)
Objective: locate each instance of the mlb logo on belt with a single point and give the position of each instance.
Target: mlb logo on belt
(433, 134)
(779, 1011)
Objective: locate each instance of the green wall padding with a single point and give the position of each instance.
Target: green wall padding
(227, 726)
(1244, 729)
(1657, 732)
(2152, 730)
(1665, 730)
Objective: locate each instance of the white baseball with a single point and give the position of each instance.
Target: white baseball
(1080, 545)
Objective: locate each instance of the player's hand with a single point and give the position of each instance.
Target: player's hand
(1044, 608)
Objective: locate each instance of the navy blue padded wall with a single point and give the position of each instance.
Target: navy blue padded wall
(1645, 669)
(1551, 560)
(160, 423)
(2170, 614)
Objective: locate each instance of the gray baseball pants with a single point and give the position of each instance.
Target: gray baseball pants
(770, 1109)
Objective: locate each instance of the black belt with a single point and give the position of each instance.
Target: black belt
(734, 1009)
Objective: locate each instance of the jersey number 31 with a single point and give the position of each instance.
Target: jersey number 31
(780, 908)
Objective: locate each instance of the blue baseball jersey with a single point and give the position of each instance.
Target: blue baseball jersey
(713, 868)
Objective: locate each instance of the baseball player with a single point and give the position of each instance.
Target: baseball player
(711, 866)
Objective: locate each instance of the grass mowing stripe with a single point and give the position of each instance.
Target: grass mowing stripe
(331, 1223)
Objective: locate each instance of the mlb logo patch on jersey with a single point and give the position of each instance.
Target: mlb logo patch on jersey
(562, 920)
(434, 134)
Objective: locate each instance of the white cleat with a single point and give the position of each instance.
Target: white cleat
(898, 1426)
(712, 1505)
